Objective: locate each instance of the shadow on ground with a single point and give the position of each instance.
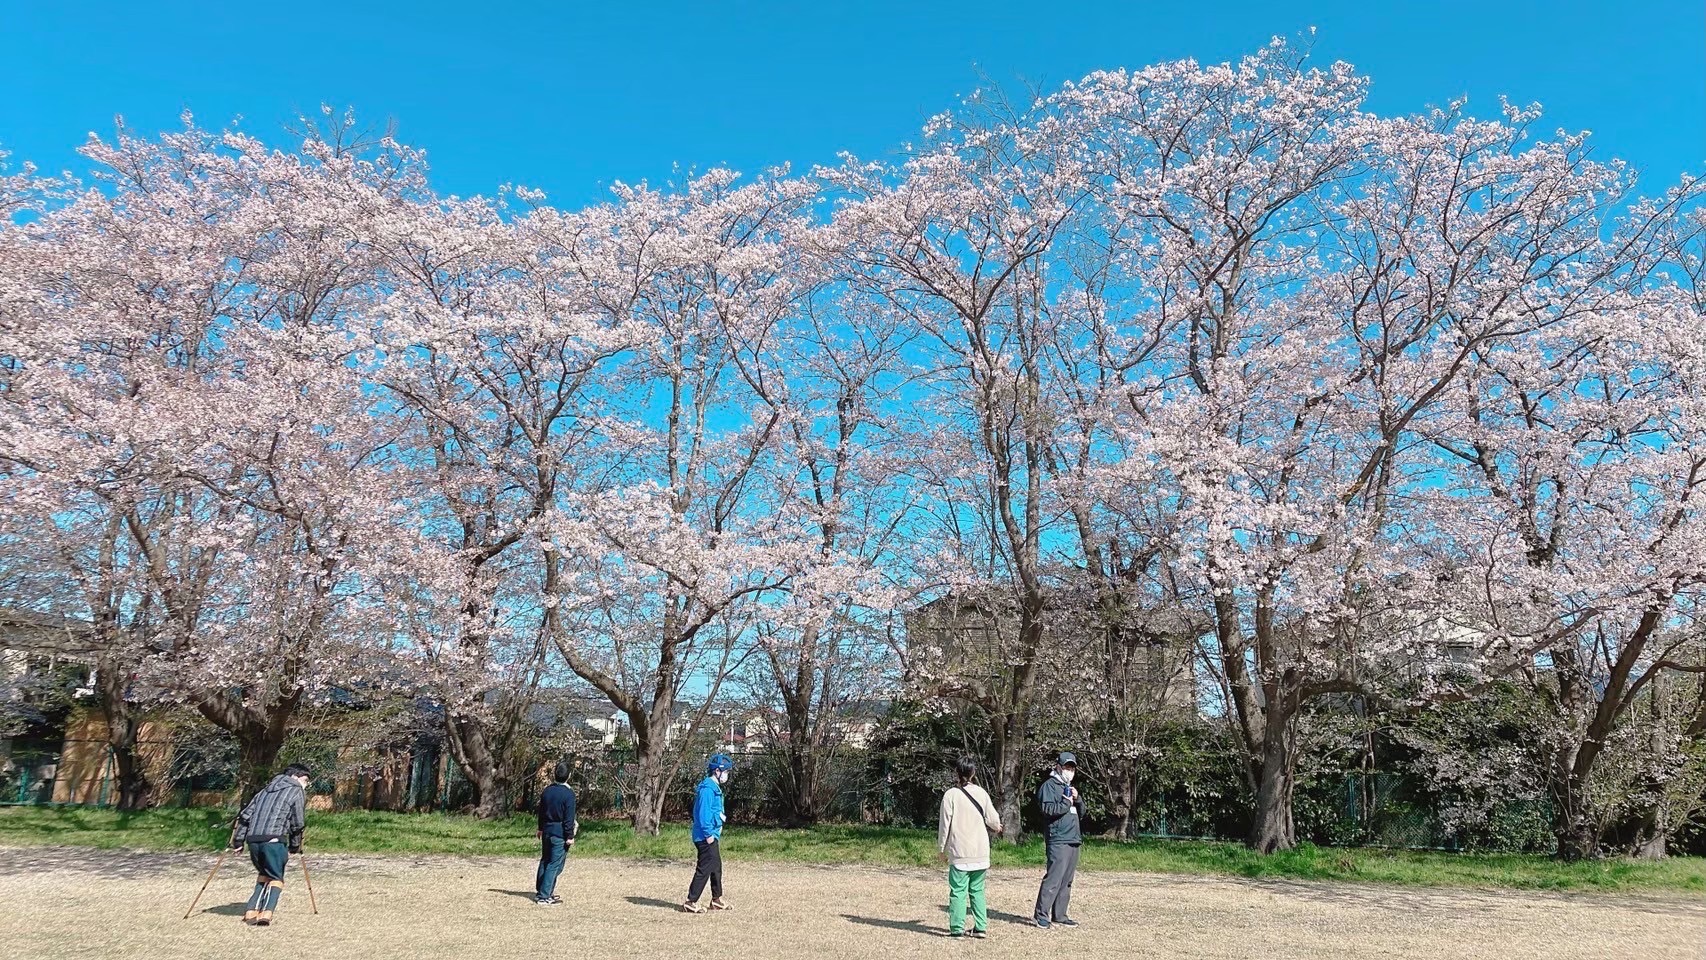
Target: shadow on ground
(652, 902)
(998, 915)
(909, 926)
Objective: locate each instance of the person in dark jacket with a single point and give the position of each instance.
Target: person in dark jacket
(557, 830)
(1063, 808)
(708, 819)
(272, 825)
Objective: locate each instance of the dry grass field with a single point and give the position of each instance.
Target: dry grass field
(65, 902)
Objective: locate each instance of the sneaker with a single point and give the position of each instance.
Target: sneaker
(957, 934)
(546, 901)
(980, 934)
(1067, 923)
(1042, 924)
(720, 905)
(555, 900)
(692, 907)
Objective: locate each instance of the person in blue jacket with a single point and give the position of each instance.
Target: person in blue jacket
(708, 821)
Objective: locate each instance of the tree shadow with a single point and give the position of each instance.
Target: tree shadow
(526, 894)
(652, 902)
(909, 926)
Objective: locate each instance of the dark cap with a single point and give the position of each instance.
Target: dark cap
(1066, 760)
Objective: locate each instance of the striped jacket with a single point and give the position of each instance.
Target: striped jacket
(276, 813)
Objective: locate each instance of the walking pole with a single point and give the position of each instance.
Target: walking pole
(302, 858)
(204, 883)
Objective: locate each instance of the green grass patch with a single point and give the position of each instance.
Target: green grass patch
(362, 831)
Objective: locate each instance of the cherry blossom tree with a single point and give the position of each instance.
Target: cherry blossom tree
(1580, 461)
(179, 359)
(955, 240)
(834, 374)
(490, 357)
(1323, 281)
(653, 572)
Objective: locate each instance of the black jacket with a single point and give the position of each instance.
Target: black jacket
(557, 811)
(1062, 815)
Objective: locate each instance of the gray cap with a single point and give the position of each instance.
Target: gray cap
(1066, 760)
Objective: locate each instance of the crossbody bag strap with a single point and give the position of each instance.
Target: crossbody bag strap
(980, 814)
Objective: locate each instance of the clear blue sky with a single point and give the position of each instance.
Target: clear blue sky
(569, 97)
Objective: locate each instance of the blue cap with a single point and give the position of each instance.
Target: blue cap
(1066, 760)
(719, 761)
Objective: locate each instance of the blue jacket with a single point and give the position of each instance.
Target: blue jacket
(708, 810)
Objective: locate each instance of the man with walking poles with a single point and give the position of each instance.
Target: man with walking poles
(1062, 809)
(272, 825)
(708, 819)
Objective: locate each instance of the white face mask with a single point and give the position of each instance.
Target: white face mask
(722, 776)
(1067, 775)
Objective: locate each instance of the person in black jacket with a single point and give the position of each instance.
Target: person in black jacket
(557, 830)
(272, 825)
(1063, 808)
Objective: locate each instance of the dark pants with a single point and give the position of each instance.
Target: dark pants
(1054, 899)
(709, 868)
(552, 852)
(269, 858)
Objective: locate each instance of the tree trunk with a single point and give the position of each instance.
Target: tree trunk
(1273, 828)
(1577, 832)
(124, 726)
(1649, 830)
(800, 786)
(1651, 836)
(800, 781)
(257, 756)
(259, 732)
(135, 790)
(649, 788)
(1577, 840)
(1122, 797)
(1010, 771)
(473, 752)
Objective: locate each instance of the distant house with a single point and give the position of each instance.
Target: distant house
(588, 721)
(41, 656)
(971, 635)
(759, 730)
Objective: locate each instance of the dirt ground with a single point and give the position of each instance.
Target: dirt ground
(57, 903)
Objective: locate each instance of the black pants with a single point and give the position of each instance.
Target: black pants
(709, 867)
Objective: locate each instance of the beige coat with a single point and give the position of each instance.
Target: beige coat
(963, 835)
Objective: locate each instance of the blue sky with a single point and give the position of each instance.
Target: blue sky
(570, 97)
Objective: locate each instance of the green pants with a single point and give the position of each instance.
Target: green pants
(960, 884)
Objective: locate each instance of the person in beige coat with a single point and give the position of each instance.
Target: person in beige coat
(968, 817)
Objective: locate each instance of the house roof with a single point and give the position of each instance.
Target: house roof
(46, 634)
